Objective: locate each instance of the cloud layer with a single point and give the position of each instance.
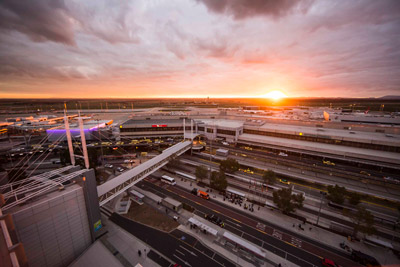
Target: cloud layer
(199, 48)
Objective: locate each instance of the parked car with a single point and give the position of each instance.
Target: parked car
(109, 166)
(284, 181)
(247, 171)
(327, 162)
(365, 173)
(282, 154)
(120, 169)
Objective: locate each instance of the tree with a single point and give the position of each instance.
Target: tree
(269, 177)
(336, 193)
(354, 198)
(93, 157)
(64, 157)
(229, 165)
(218, 181)
(286, 201)
(363, 221)
(174, 163)
(201, 172)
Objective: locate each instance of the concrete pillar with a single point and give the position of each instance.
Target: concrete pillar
(69, 140)
(83, 141)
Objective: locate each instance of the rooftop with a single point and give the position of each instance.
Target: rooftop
(357, 136)
(222, 123)
(344, 151)
(156, 121)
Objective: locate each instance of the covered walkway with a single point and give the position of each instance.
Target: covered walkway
(121, 183)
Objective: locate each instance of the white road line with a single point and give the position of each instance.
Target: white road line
(233, 223)
(185, 262)
(179, 252)
(191, 252)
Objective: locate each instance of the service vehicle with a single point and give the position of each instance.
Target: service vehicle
(200, 193)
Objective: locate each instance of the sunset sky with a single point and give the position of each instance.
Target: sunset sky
(199, 48)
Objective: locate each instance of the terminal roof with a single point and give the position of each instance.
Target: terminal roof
(223, 123)
(351, 135)
(345, 151)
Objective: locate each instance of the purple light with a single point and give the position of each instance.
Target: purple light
(59, 131)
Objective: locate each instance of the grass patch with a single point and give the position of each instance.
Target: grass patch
(152, 217)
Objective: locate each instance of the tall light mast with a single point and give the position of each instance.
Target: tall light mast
(69, 140)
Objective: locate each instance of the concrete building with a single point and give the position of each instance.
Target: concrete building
(377, 144)
(153, 128)
(92, 129)
(56, 216)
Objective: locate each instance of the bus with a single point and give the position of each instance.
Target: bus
(187, 176)
(168, 180)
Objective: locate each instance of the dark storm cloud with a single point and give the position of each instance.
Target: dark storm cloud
(241, 9)
(40, 20)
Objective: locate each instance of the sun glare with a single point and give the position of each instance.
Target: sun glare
(275, 95)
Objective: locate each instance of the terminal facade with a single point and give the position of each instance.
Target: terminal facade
(376, 144)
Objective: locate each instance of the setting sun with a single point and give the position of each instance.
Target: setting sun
(275, 95)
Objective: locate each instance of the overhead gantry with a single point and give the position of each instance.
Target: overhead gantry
(119, 184)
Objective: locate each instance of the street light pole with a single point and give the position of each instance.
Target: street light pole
(101, 145)
(320, 205)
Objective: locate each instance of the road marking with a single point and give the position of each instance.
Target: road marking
(260, 226)
(236, 220)
(180, 252)
(379, 205)
(216, 211)
(290, 244)
(185, 262)
(261, 231)
(277, 234)
(233, 223)
(310, 187)
(191, 252)
(255, 229)
(297, 242)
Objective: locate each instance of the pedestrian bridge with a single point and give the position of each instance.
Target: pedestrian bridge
(119, 184)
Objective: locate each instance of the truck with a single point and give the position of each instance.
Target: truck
(200, 193)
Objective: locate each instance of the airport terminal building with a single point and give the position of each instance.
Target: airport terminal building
(369, 143)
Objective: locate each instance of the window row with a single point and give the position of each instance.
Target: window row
(326, 140)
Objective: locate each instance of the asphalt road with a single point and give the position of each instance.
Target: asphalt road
(281, 241)
(339, 167)
(314, 212)
(177, 246)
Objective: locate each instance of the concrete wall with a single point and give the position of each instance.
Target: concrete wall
(54, 230)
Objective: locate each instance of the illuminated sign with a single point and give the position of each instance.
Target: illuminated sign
(159, 125)
(97, 225)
